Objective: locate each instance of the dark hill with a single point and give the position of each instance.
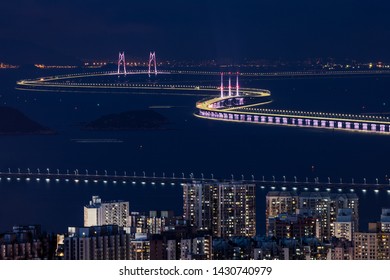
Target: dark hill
(12, 121)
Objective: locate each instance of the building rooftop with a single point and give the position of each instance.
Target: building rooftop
(316, 195)
(97, 202)
(282, 193)
(339, 196)
(344, 215)
(385, 216)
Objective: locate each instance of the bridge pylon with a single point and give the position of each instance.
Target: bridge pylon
(230, 84)
(237, 85)
(152, 59)
(221, 84)
(122, 61)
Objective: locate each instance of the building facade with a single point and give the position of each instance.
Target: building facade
(291, 226)
(108, 242)
(99, 213)
(225, 209)
(322, 206)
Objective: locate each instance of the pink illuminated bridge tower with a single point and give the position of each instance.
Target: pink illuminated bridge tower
(230, 92)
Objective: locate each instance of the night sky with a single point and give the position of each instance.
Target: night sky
(46, 30)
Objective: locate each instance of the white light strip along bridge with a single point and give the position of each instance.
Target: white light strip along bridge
(273, 182)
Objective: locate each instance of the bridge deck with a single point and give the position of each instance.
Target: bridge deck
(86, 178)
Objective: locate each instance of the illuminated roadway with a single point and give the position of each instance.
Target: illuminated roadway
(232, 106)
(243, 108)
(274, 183)
(63, 81)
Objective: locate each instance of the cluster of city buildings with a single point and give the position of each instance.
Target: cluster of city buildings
(43, 66)
(7, 66)
(321, 225)
(262, 64)
(218, 222)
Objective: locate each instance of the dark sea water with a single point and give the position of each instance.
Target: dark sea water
(190, 145)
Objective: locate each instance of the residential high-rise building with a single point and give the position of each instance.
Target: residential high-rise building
(99, 213)
(154, 223)
(138, 222)
(323, 206)
(344, 201)
(366, 244)
(291, 226)
(108, 242)
(139, 249)
(385, 220)
(280, 203)
(372, 245)
(344, 224)
(199, 204)
(342, 249)
(26, 243)
(181, 243)
(318, 203)
(225, 209)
